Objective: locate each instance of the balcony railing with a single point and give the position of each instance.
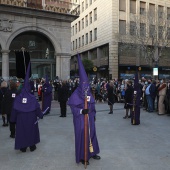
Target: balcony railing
(59, 6)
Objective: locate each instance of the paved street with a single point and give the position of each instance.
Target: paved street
(122, 146)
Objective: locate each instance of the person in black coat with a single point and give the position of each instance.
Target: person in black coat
(8, 105)
(62, 98)
(3, 90)
(111, 96)
(128, 99)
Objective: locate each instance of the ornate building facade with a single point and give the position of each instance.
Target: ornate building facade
(41, 27)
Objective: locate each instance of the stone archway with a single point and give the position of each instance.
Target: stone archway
(41, 50)
(37, 29)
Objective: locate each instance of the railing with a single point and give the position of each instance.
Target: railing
(61, 6)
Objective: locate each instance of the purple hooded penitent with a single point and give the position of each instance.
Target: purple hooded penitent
(25, 111)
(47, 95)
(76, 103)
(135, 118)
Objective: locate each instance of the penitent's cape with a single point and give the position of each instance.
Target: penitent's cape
(76, 103)
(135, 118)
(47, 95)
(25, 111)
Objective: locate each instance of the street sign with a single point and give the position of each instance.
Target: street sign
(155, 71)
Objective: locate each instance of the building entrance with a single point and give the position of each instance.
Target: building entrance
(41, 50)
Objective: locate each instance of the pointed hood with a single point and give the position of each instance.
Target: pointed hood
(78, 95)
(47, 80)
(25, 101)
(26, 80)
(137, 89)
(47, 88)
(136, 82)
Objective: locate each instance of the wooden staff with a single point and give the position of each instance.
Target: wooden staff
(85, 132)
(134, 109)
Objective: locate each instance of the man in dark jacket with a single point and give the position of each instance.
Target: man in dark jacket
(8, 104)
(128, 99)
(62, 98)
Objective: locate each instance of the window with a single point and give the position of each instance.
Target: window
(86, 38)
(76, 28)
(160, 11)
(93, 54)
(122, 27)
(160, 32)
(86, 20)
(142, 8)
(83, 23)
(152, 10)
(133, 6)
(90, 36)
(73, 30)
(79, 42)
(168, 13)
(152, 31)
(76, 43)
(86, 4)
(82, 6)
(142, 29)
(90, 17)
(95, 34)
(83, 40)
(122, 5)
(90, 2)
(79, 26)
(73, 45)
(95, 14)
(132, 28)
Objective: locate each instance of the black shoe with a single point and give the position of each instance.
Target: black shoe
(5, 124)
(61, 116)
(23, 149)
(64, 116)
(96, 157)
(33, 148)
(125, 117)
(83, 162)
(12, 136)
(129, 116)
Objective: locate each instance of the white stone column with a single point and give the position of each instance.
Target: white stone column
(5, 64)
(65, 67)
(58, 64)
(43, 4)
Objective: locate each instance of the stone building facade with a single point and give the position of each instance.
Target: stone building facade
(94, 35)
(44, 33)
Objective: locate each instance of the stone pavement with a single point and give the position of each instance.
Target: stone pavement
(122, 146)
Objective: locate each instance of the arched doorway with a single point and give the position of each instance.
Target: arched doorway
(42, 53)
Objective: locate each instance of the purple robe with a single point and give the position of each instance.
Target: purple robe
(27, 133)
(47, 96)
(24, 113)
(135, 117)
(76, 103)
(78, 120)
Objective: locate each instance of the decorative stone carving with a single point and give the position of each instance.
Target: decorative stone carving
(5, 25)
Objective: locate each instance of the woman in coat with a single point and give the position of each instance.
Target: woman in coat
(162, 93)
(111, 97)
(128, 99)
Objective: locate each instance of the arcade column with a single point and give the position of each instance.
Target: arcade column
(5, 64)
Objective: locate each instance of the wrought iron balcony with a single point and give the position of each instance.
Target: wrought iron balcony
(59, 6)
